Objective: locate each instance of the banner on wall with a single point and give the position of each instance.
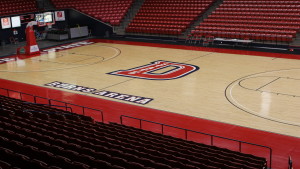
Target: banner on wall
(15, 21)
(5, 23)
(60, 16)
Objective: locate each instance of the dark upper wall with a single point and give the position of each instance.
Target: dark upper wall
(73, 19)
(5, 34)
(98, 28)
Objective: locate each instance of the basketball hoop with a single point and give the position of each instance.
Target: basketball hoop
(31, 45)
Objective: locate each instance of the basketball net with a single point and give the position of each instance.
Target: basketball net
(31, 45)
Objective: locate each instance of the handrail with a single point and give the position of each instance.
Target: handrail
(211, 135)
(290, 163)
(29, 110)
(71, 110)
(50, 101)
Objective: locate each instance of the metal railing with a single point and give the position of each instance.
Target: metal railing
(66, 107)
(192, 131)
(290, 163)
(50, 102)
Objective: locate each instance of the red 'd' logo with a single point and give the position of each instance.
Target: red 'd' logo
(158, 70)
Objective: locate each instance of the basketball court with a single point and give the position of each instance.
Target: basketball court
(248, 90)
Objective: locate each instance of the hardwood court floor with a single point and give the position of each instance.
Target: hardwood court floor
(251, 91)
(235, 87)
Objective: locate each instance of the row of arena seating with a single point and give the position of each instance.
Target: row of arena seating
(241, 35)
(17, 7)
(261, 21)
(235, 5)
(254, 9)
(256, 17)
(17, 105)
(154, 30)
(38, 137)
(291, 2)
(250, 26)
(178, 1)
(252, 21)
(255, 14)
(164, 12)
(112, 11)
(248, 30)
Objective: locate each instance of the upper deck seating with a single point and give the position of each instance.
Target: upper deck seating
(167, 17)
(267, 20)
(109, 11)
(9, 7)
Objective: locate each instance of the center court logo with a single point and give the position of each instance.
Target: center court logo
(158, 70)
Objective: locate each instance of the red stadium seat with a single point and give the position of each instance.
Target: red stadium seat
(17, 7)
(166, 17)
(258, 20)
(111, 12)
